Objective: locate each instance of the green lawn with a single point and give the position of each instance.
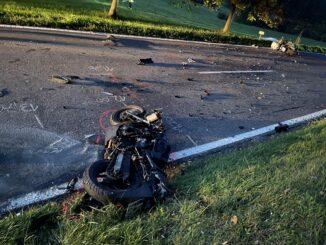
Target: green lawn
(159, 11)
(275, 193)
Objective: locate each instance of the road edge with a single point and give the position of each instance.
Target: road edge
(60, 190)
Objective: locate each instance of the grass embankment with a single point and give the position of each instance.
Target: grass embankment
(148, 18)
(270, 193)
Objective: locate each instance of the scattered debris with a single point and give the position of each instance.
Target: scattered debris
(227, 112)
(145, 61)
(109, 43)
(206, 93)
(31, 50)
(287, 109)
(111, 37)
(71, 184)
(14, 61)
(234, 220)
(110, 40)
(63, 79)
(281, 128)
(107, 93)
(60, 79)
(190, 60)
(125, 89)
(4, 92)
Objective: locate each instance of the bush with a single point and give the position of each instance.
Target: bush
(28, 17)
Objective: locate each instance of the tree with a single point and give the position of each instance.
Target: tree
(113, 9)
(268, 11)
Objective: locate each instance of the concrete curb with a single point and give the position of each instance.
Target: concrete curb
(121, 35)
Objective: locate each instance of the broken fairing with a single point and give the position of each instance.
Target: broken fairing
(134, 159)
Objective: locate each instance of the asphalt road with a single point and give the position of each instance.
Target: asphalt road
(45, 127)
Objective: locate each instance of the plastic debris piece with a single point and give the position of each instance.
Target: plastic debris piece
(145, 61)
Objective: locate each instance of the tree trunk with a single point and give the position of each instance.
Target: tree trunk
(113, 10)
(227, 26)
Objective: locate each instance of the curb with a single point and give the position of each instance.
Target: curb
(104, 34)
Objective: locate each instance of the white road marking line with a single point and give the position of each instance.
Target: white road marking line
(86, 136)
(43, 195)
(39, 121)
(55, 142)
(192, 141)
(235, 72)
(33, 197)
(37, 196)
(107, 93)
(219, 144)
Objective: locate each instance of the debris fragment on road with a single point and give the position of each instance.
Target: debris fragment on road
(111, 37)
(3, 92)
(145, 61)
(60, 79)
(281, 128)
(110, 40)
(206, 93)
(190, 60)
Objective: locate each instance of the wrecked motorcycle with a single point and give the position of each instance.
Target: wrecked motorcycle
(134, 160)
(284, 46)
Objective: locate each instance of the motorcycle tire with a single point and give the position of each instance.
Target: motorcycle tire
(119, 117)
(290, 52)
(138, 189)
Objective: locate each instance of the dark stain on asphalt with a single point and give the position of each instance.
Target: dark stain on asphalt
(4, 92)
(14, 61)
(30, 50)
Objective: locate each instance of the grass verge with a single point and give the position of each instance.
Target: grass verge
(78, 17)
(270, 193)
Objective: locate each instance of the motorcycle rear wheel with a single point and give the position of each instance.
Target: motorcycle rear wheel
(119, 117)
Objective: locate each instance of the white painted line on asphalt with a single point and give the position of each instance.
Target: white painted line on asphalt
(52, 192)
(37, 197)
(219, 144)
(191, 140)
(121, 35)
(39, 121)
(235, 72)
(33, 197)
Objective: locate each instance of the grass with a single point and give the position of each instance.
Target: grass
(270, 193)
(91, 15)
